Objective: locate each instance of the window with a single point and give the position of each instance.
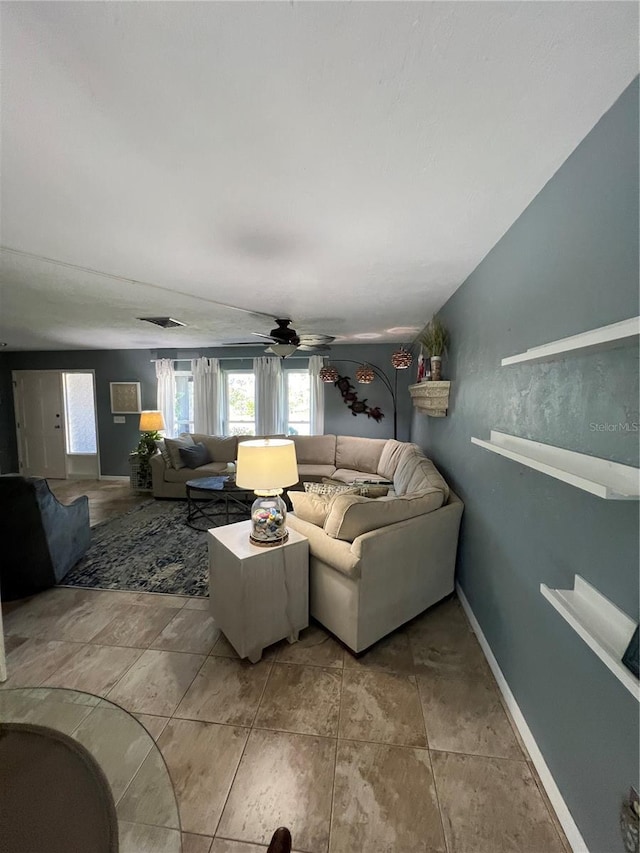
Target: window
(183, 411)
(298, 401)
(240, 397)
(80, 414)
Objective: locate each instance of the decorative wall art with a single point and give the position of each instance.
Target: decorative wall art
(125, 398)
(358, 407)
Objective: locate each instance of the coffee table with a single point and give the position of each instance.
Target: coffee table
(205, 496)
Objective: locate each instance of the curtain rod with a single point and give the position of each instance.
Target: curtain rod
(232, 358)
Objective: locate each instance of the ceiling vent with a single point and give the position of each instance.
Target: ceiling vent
(163, 322)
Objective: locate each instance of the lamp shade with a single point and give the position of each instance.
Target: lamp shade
(328, 373)
(151, 421)
(266, 464)
(401, 359)
(365, 374)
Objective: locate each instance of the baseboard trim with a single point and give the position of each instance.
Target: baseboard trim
(110, 477)
(567, 822)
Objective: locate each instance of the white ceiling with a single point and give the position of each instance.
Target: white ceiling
(344, 164)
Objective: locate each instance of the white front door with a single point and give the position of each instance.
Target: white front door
(40, 423)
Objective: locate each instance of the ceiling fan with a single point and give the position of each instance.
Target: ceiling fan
(285, 340)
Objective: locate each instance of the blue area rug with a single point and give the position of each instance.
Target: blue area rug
(148, 549)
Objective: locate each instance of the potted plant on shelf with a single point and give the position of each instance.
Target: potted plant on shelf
(435, 339)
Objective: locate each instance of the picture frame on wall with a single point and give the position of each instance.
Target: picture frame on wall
(125, 398)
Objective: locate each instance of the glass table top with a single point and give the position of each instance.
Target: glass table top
(148, 817)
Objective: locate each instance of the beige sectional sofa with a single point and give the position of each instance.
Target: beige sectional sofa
(341, 457)
(375, 563)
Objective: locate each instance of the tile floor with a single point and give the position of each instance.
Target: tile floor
(406, 748)
(107, 498)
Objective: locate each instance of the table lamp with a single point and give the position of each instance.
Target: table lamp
(267, 465)
(151, 422)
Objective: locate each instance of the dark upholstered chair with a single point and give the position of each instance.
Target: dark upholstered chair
(41, 538)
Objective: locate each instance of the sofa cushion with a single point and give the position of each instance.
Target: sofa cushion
(351, 515)
(314, 472)
(415, 473)
(195, 456)
(391, 455)
(346, 475)
(173, 446)
(315, 449)
(212, 469)
(162, 447)
(359, 454)
(339, 555)
(222, 448)
(311, 506)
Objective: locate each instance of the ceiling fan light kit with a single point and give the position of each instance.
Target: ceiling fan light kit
(282, 350)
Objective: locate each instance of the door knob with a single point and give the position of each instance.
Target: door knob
(57, 426)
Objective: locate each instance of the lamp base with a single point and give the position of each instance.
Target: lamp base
(268, 517)
(272, 543)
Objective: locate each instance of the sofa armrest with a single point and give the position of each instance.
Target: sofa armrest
(429, 539)
(66, 528)
(158, 467)
(337, 554)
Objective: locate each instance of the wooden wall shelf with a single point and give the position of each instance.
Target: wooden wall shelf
(431, 398)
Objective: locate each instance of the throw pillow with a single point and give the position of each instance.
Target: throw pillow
(352, 515)
(194, 457)
(173, 446)
(329, 489)
(162, 447)
(367, 490)
(310, 506)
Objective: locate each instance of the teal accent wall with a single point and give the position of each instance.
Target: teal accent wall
(568, 264)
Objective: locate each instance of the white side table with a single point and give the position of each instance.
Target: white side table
(258, 595)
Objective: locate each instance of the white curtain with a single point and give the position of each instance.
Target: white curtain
(207, 408)
(166, 399)
(317, 395)
(270, 415)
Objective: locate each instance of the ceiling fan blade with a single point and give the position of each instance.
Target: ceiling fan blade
(260, 335)
(316, 339)
(314, 347)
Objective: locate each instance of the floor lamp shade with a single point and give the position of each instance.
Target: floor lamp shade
(151, 421)
(267, 466)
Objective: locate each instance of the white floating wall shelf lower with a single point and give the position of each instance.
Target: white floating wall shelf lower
(600, 477)
(603, 626)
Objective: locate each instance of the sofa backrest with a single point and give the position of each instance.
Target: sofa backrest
(390, 457)
(223, 448)
(359, 454)
(315, 449)
(416, 473)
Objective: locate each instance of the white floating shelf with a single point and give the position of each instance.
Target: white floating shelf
(606, 337)
(600, 477)
(603, 626)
